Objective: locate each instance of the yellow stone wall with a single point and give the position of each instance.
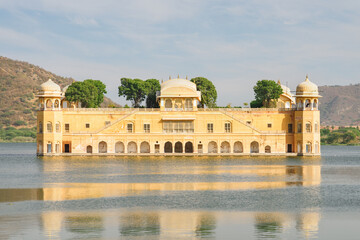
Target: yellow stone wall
(268, 127)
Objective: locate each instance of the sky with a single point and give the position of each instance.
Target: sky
(233, 43)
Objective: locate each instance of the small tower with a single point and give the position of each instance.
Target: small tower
(178, 95)
(49, 119)
(307, 118)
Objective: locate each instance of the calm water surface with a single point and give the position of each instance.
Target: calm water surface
(179, 197)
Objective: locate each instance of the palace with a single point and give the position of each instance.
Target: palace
(179, 126)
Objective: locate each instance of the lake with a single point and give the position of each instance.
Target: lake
(179, 197)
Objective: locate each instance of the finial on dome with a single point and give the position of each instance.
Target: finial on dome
(178, 76)
(279, 82)
(307, 77)
(169, 77)
(186, 77)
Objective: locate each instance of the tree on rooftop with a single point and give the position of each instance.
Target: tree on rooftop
(267, 92)
(153, 86)
(208, 91)
(135, 90)
(89, 92)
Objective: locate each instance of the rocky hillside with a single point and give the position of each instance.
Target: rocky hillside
(340, 105)
(19, 82)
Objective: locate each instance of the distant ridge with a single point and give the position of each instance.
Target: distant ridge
(19, 82)
(340, 105)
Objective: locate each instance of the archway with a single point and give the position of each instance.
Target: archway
(189, 147)
(56, 104)
(49, 147)
(168, 147)
(308, 147)
(267, 149)
(254, 147)
(102, 147)
(238, 147)
(49, 104)
(132, 147)
(168, 104)
(225, 147)
(212, 147)
(119, 147)
(89, 149)
(299, 150)
(178, 147)
(144, 147)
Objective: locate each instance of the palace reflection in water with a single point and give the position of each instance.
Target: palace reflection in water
(156, 221)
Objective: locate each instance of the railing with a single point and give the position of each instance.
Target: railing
(246, 109)
(180, 109)
(112, 109)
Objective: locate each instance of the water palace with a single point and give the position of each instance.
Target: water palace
(179, 127)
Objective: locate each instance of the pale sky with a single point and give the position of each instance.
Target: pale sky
(232, 43)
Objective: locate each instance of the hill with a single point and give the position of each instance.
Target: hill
(340, 105)
(19, 82)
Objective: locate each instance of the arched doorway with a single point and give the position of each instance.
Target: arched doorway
(119, 147)
(102, 147)
(189, 147)
(40, 147)
(178, 147)
(144, 147)
(132, 148)
(212, 147)
(89, 149)
(225, 147)
(238, 147)
(168, 147)
(254, 147)
(267, 149)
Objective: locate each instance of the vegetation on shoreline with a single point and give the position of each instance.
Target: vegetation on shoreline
(11, 134)
(341, 136)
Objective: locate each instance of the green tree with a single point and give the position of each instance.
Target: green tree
(267, 92)
(256, 104)
(101, 90)
(89, 92)
(208, 91)
(153, 86)
(135, 90)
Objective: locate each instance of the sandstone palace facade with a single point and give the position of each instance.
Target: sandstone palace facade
(179, 126)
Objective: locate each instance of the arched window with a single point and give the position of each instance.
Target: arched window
(300, 105)
(225, 147)
(57, 127)
(168, 104)
(212, 147)
(189, 147)
(49, 147)
(254, 147)
(49, 128)
(315, 105)
(308, 127)
(102, 147)
(178, 105)
(308, 147)
(89, 149)
(40, 127)
(144, 147)
(57, 147)
(178, 147)
(316, 127)
(168, 147)
(267, 149)
(188, 105)
(238, 147)
(56, 104)
(132, 147)
(119, 147)
(299, 150)
(48, 104)
(317, 147)
(307, 103)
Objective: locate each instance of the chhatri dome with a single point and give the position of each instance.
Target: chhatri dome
(307, 89)
(179, 88)
(50, 86)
